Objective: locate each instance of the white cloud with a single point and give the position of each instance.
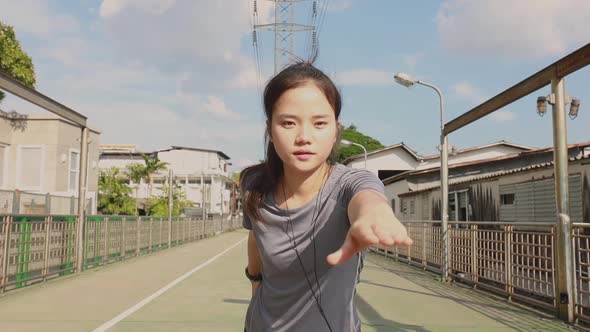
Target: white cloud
(155, 126)
(412, 60)
(364, 77)
(473, 94)
(160, 76)
(212, 105)
(503, 116)
(468, 91)
(524, 28)
(109, 8)
(30, 16)
(203, 38)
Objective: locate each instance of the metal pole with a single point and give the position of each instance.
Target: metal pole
(444, 184)
(221, 196)
(561, 176)
(82, 197)
(202, 198)
(277, 21)
(170, 206)
(47, 223)
(6, 224)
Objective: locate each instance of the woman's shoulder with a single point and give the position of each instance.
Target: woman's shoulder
(348, 173)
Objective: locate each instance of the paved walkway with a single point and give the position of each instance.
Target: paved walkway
(200, 287)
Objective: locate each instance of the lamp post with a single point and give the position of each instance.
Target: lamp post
(349, 143)
(407, 81)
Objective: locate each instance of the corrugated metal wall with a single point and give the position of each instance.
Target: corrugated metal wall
(535, 201)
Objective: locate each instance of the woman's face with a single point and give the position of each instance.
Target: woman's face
(303, 128)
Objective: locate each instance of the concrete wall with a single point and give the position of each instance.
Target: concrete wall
(194, 162)
(394, 159)
(54, 139)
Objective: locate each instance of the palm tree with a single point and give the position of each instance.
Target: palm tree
(136, 172)
(152, 166)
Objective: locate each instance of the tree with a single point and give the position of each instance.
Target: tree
(136, 172)
(14, 62)
(351, 134)
(113, 193)
(158, 206)
(235, 177)
(152, 166)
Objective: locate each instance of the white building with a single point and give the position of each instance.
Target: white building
(202, 173)
(40, 161)
(386, 162)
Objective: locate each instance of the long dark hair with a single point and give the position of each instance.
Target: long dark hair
(258, 180)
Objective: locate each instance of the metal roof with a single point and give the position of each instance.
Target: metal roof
(481, 161)
(490, 175)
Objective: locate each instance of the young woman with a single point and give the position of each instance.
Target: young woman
(309, 217)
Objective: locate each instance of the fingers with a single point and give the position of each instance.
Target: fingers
(361, 236)
(392, 237)
(386, 239)
(344, 253)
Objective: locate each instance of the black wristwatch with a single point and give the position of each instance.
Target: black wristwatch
(257, 277)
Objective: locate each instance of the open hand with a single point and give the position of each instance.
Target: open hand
(365, 233)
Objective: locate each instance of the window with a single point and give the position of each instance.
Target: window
(3, 159)
(74, 170)
(393, 205)
(404, 206)
(30, 168)
(194, 181)
(507, 199)
(160, 180)
(412, 207)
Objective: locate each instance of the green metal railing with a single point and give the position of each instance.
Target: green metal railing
(35, 248)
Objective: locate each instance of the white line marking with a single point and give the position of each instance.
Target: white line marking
(148, 299)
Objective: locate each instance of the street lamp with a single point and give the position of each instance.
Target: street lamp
(408, 81)
(349, 143)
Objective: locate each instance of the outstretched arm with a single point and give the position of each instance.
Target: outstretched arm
(372, 222)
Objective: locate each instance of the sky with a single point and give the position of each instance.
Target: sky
(157, 73)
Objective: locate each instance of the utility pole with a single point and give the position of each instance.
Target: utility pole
(284, 28)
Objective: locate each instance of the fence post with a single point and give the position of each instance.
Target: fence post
(424, 261)
(508, 260)
(150, 242)
(47, 203)
(138, 242)
(16, 202)
(410, 247)
(6, 224)
(160, 242)
(72, 205)
(565, 268)
(106, 240)
(48, 222)
(203, 233)
(474, 277)
(122, 244)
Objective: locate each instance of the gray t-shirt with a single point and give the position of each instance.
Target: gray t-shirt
(284, 301)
